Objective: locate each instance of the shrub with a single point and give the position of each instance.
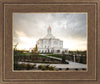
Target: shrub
(19, 66)
(66, 62)
(43, 67)
(76, 69)
(60, 68)
(51, 68)
(46, 67)
(39, 67)
(83, 69)
(67, 68)
(15, 66)
(29, 67)
(23, 66)
(43, 59)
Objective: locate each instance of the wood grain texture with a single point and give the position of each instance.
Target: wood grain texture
(40, 6)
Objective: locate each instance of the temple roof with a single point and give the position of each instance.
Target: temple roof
(49, 36)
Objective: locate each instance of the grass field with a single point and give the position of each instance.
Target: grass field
(55, 55)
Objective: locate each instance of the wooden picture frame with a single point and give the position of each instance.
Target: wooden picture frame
(91, 76)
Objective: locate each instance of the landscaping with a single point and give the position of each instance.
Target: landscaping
(24, 60)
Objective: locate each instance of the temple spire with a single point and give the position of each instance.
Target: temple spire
(49, 29)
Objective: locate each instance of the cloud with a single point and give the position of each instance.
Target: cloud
(64, 25)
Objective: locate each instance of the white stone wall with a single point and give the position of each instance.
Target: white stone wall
(51, 46)
(50, 43)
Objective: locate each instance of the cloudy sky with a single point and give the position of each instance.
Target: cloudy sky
(69, 27)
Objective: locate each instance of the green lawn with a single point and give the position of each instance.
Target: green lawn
(43, 56)
(55, 55)
(26, 53)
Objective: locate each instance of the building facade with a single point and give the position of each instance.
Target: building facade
(50, 44)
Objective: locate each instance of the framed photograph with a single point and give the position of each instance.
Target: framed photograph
(68, 52)
(49, 42)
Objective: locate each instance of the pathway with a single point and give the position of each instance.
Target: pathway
(70, 65)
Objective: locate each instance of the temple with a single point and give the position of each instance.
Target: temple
(50, 44)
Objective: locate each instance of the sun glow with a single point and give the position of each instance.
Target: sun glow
(72, 44)
(26, 43)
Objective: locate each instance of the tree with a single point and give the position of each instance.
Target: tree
(15, 49)
(35, 53)
(15, 46)
(35, 50)
(63, 58)
(16, 57)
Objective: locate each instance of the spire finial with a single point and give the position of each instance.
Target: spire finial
(49, 29)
